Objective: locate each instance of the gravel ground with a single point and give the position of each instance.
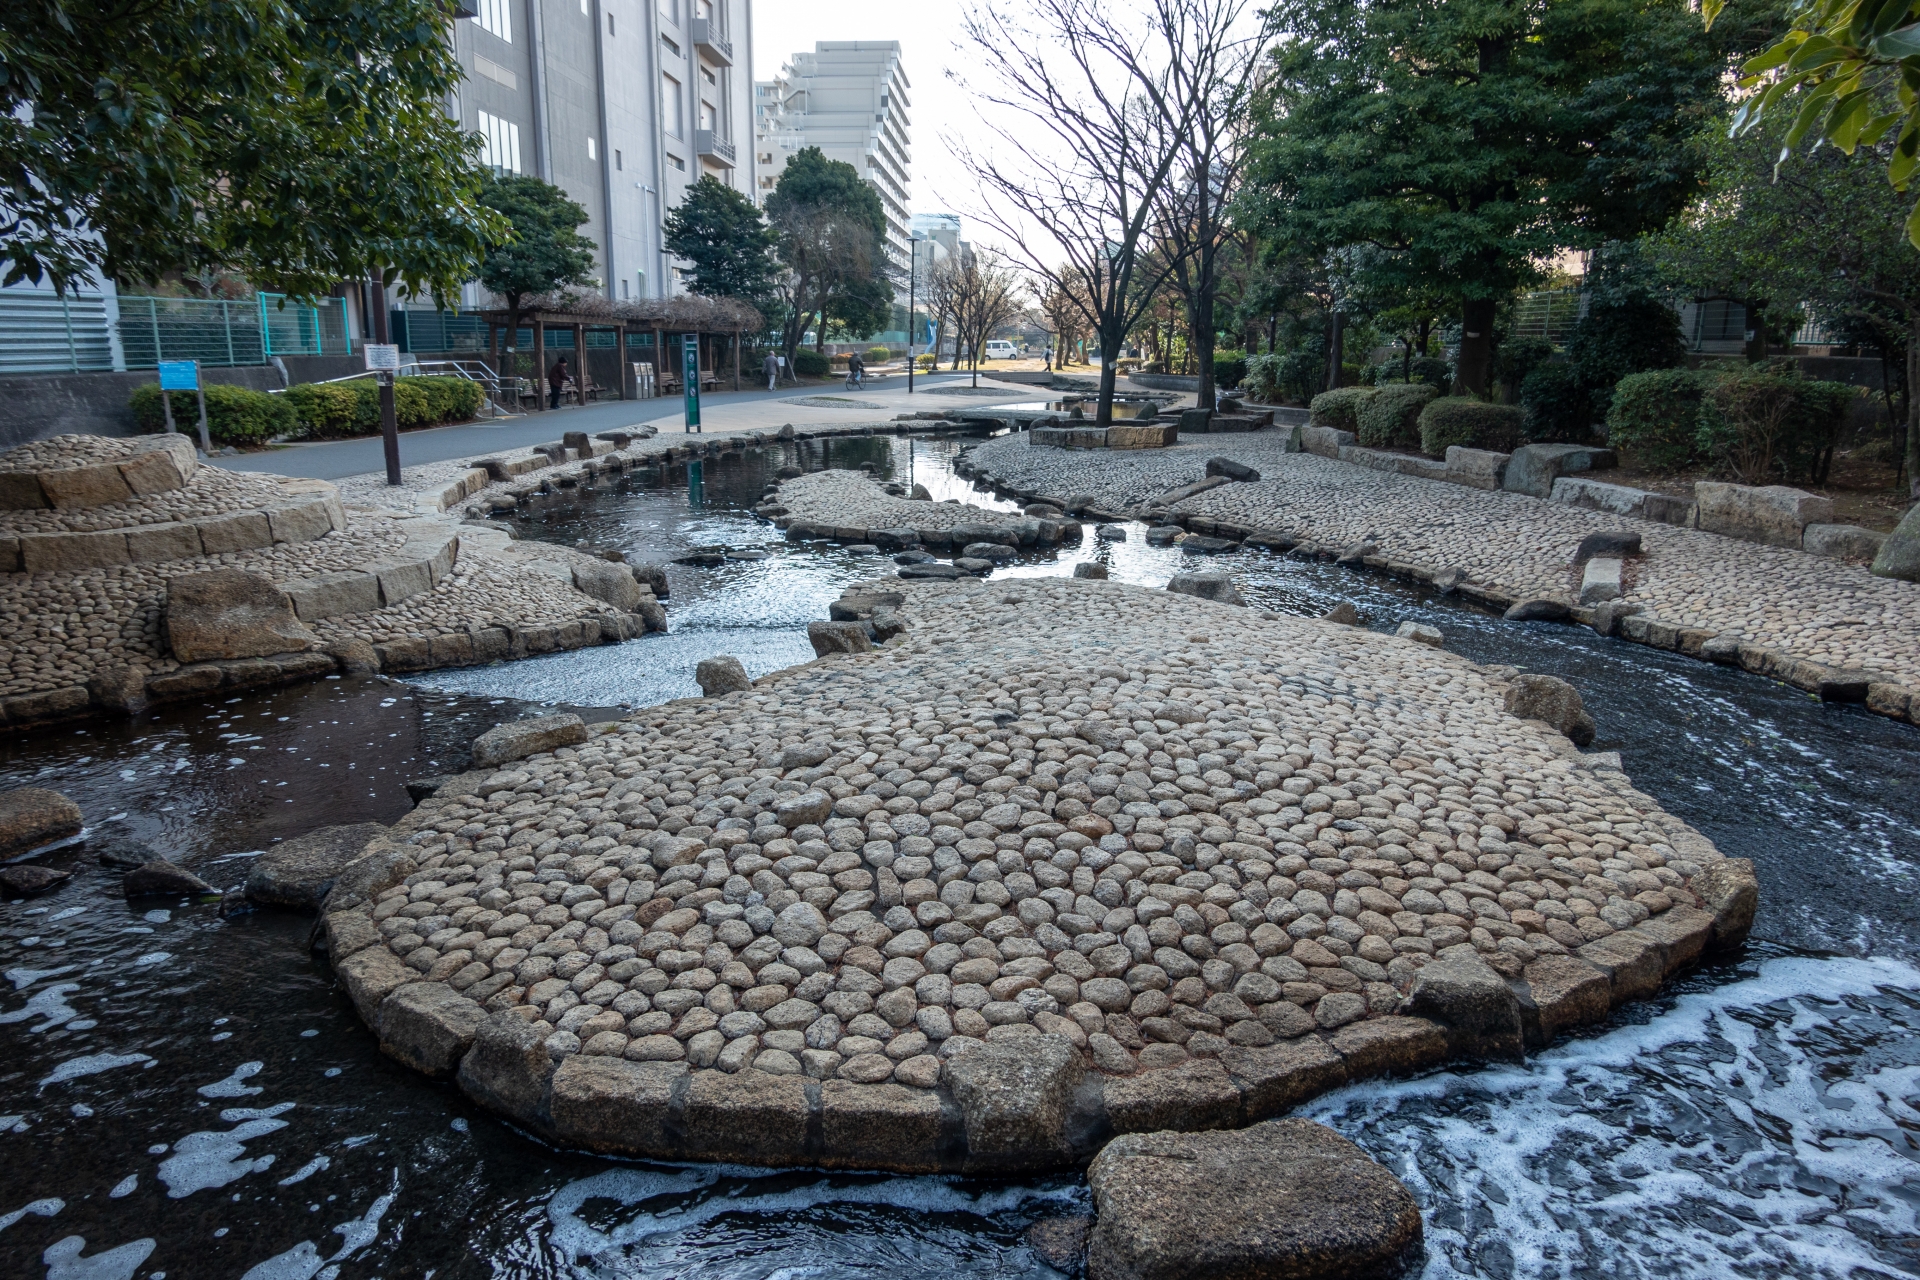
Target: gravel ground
(1811, 607)
(1155, 825)
(209, 492)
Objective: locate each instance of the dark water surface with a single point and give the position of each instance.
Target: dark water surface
(185, 1096)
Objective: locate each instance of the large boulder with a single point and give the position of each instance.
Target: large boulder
(1899, 555)
(24, 880)
(1774, 514)
(838, 637)
(1537, 697)
(521, 738)
(609, 583)
(33, 816)
(1462, 991)
(230, 613)
(721, 674)
(300, 872)
(162, 879)
(1014, 1096)
(1207, 586)
(1231, 470)
(1533, 468)
(1284, 1198)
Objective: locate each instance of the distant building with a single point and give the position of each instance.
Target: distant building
(850, 99)
(620, 103)
(941, 232)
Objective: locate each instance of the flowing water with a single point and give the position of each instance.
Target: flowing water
(184, 1095)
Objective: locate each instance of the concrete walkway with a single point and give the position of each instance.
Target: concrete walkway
(882, 400)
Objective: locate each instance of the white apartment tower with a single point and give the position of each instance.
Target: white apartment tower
(850, 99)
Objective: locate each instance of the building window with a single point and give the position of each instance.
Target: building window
(500, 147)
(496, 16)
(670, 10)
(610, 32)
(593, 149)
(709, 77)
(709, 118)
(675, 103)
(619, 161)
(623, 291)
(675, 162)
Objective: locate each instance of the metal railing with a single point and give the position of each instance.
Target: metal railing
(220, 331)
(43, 332)
(1547, 315)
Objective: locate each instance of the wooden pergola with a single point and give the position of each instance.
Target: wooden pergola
(716, 317)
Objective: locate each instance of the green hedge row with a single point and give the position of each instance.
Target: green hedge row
(1390, 417)
(1471, 424)
(1756, 423)
(235, 415)
(811, 364)
(353, 408)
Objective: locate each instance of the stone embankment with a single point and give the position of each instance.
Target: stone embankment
(134, 574)
(1824, 625)
(1061, 860)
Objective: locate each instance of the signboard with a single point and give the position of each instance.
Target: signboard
(179, 375)
(690, 377)
(382, 357)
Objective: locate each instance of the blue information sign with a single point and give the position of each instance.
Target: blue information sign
(179, 375)
(690, 378)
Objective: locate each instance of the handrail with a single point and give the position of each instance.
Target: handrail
(487, 378)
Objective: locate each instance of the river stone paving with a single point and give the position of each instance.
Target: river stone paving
(1195, 852)
(1811, 607)
(855, 500)
(208, 492)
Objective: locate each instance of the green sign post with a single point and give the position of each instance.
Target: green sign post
(690, 378)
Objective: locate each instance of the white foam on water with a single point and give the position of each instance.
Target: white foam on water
(298, 1263)
(574, 1237)
(66, 914)
(49, 1003)
(357, 1233)
(306, 1171)
(234, 1086)
(45, 1208)
(233, 1115)
(205, 1160)
(92, 1064)
(65, 1263)
(124, 1187)
(153, 957)
(1725, 1136)
(24, 978)
(158, 916)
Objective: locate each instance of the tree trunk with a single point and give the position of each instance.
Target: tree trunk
(1476, 347)
(1336, 348)
(1203, 345)
(1913, 411)
(1109, 352)
(1756, 331)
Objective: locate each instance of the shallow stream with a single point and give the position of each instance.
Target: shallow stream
(184, 1095)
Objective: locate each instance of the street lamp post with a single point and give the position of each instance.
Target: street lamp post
(913, 264)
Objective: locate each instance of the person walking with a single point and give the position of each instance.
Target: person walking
(1049, 367)
(856, 370)
(771, 367)
(556, 382)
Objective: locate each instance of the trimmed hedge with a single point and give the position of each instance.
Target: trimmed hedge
(1337, 408)
(1390, 417)
(1229, 367)
(878, 355)
(353, 408)
(1469, 423)
(1655, 417)
(811, 364)
(1558, 404)
(235, 415)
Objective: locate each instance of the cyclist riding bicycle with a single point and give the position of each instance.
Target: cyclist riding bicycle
(856, 371)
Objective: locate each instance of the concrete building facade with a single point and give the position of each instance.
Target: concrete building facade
(620, 103)
(850, 98)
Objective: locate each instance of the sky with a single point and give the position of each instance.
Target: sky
(928, 31)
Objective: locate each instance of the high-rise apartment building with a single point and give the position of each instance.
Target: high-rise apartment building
(850, 99)
(620, 103)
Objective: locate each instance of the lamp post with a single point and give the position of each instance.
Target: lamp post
(913, 265)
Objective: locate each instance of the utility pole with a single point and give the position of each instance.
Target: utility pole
(913, 265)
(389, 422)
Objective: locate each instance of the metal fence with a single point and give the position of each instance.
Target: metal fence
(217, 331)
(1547, 315)
(42, 332)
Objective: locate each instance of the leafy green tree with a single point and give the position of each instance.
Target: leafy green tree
(1469, 141)
(1826, 231)
(542, 251)
(722, 233)
(295, 142)
(832, 240)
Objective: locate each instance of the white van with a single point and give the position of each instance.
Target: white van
(998, 350)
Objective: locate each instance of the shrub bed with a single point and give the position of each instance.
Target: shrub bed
(1655, 417)
(1469, 423)
(1337, 408)
(1557, 403)
(811, 364)
(235, 415)
(878, 355)
(353, 408)
(1390, 417)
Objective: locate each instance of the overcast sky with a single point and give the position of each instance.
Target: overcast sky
(927, 32)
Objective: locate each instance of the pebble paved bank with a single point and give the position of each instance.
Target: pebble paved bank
(1065, 859)
(1785, 602)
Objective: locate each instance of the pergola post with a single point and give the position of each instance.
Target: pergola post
(621, 370)
(580, 374)
(659, 359)
(736, 359)
(539, 363)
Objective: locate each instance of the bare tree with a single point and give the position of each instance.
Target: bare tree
(1061, 314)
(987, 297)
(1216, 69)
(1076, 190)
(943, 289)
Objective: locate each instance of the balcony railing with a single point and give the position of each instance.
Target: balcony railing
(707, 39)
(710, 144)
